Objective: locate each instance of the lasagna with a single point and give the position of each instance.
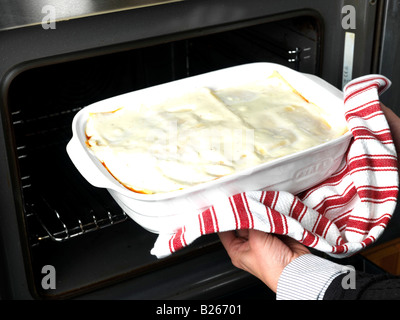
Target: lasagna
(205, 134)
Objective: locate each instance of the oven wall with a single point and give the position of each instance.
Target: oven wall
(389, 52)
(29, 47)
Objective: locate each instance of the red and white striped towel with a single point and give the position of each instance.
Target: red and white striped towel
(339, 216)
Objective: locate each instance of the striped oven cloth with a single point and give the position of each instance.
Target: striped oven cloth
(340, 216)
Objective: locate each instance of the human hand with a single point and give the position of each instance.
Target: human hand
(262, 254)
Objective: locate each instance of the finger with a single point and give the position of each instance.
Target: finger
(231, 242)
(294, 245)
(244, 234)
(227, 237)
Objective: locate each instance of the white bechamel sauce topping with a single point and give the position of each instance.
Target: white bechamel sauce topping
(205, 134)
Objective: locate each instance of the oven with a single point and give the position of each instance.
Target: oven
(60, 237)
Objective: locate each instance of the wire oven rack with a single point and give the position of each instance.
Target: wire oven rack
(59, 204)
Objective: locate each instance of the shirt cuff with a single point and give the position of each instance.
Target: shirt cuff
(307, 278)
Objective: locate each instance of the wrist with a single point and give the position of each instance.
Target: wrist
(274, 268)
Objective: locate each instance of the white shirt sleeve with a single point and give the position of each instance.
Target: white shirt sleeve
(307, 278)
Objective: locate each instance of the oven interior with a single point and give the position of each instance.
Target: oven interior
(77, 228)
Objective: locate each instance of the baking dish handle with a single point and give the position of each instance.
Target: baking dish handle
(89, 170)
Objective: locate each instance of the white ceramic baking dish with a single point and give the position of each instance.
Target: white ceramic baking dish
(166, 212)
